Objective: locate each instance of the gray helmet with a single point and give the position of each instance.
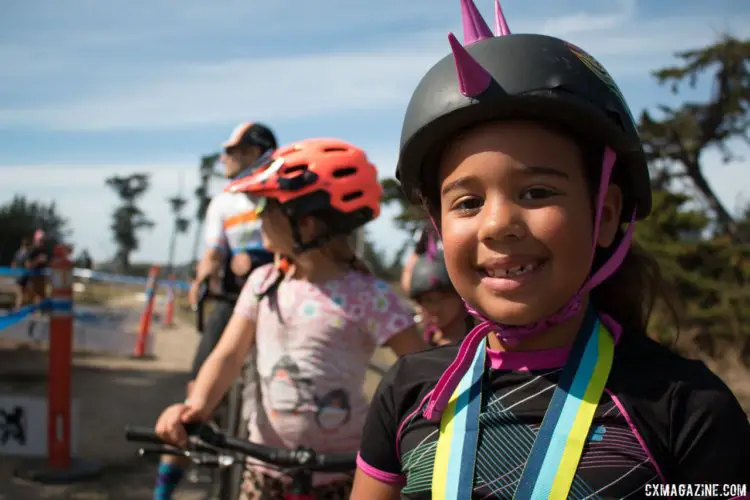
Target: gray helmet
(429, 274)
(520, 76)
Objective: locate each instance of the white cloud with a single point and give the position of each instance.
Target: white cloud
(189, 95)
(585, 21)
(184, 94)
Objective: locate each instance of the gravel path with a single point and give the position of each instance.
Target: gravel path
(113, 392)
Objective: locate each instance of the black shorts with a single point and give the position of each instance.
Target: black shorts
(214, 327)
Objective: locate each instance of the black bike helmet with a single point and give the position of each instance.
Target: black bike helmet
(524, 77)
(429, 274)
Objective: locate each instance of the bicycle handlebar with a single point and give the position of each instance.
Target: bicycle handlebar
(302, 457)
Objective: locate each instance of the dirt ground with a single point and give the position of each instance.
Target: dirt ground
(113, 392)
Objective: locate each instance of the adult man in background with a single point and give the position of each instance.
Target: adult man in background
(232, 231)
(233, 249)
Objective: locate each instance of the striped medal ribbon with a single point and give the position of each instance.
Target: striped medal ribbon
(551, 466)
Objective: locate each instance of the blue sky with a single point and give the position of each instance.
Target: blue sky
(92, 89)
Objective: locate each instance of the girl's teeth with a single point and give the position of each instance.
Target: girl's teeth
(509, 273)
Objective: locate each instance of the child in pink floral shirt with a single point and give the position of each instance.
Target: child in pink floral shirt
(315, 325)
(314, 342)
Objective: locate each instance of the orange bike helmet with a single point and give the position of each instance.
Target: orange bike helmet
(327, 178)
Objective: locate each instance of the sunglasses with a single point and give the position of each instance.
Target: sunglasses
(262, 174)
(232, 150)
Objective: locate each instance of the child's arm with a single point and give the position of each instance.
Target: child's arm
(223, 365)
(711, 439)
(379, 475)
(368, 488)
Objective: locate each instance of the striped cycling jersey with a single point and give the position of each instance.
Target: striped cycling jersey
(232, 224)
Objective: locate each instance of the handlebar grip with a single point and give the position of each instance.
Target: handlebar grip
(338, 462)
(142, 435)
(205, 433)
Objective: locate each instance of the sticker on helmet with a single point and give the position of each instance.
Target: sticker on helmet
(591, 64)
(595, 67)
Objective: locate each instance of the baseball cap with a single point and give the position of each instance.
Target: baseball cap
(251, 134)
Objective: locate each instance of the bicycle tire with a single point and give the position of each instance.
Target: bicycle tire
(229, 480)
(219, 418)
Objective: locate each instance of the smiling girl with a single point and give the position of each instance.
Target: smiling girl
(527, 158)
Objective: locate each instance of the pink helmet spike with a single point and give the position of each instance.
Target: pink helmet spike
(473, 79)
(475, 28)
(501, 25)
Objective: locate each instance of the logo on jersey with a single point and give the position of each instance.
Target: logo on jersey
(598, 433)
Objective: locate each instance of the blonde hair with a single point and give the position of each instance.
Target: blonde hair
(348, 249)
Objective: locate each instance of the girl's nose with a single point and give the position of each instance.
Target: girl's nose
(501, 219)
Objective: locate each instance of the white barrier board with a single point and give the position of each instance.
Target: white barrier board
(23, 426)
(99, 330)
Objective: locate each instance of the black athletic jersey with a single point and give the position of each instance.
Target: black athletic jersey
(662, 419)
(34, 253)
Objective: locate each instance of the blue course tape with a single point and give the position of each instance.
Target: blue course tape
(96, 275)
(51, 304)
(13, 271)
(57, 304)
(10, 319)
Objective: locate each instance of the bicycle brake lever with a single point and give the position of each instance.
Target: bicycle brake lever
(221, 461)
(163, 450)
(204, 433)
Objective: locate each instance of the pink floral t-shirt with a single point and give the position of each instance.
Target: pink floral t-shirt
(314, 342)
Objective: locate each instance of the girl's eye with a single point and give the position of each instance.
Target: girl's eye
(537, 193)
(468, 204)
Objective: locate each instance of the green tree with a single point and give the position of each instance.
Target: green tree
(206, 171)
(20, 217)
(676, 141)
(411, 217)
(181, 225)
(708, 275)
(703, 251)
(128, 219)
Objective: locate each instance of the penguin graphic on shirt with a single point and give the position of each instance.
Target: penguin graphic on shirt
(334, 410)
(287, 389)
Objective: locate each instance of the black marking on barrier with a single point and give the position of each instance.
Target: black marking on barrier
(13, 425)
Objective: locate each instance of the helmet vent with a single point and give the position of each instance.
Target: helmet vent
(334, 149)
(344, 172)
(352, 196)
(293, 169)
